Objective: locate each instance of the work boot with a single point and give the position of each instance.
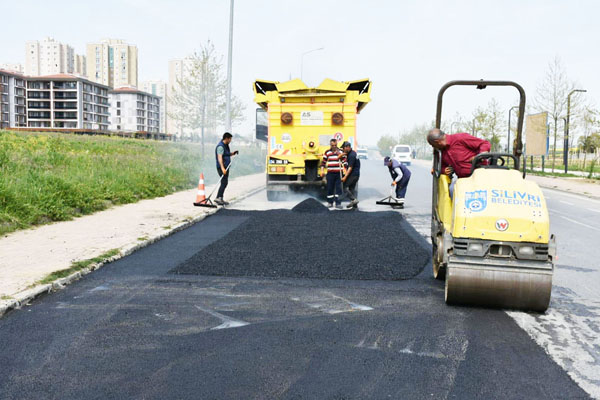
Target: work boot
(352, 204)
(338, 206)
(329, 205)
(399, 200)
(220, 201)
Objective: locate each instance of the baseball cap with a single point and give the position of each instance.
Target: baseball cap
(386, 161)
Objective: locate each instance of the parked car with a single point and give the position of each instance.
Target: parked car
(402, 153)
(362, 153)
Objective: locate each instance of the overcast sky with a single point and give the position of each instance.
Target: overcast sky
(407, 48)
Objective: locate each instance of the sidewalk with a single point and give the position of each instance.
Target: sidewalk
(581, 186)
(30, 255)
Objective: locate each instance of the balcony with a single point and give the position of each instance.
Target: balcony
(39, 105)
(63, 105)
(65, 85)
(65, 115)
(60, 124)
(38, 95)
(38, 115)
(38, 85)
(65, 95)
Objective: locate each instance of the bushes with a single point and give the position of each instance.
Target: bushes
(55, 177)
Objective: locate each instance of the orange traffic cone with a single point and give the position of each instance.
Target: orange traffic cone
(201, 200)
(201, 194)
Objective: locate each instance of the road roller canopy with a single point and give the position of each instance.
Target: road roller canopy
(329, 91)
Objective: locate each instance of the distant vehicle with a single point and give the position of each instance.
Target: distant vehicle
(402, 153)
(362, 153)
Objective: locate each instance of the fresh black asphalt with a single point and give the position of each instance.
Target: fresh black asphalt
(133, 330)
(312, 242)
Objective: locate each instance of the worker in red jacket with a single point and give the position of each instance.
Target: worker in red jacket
(458, 150)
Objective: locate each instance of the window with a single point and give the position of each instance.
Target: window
(118, 104)
(118, 112)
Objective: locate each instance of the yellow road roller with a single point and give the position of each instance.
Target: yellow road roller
(491, 236)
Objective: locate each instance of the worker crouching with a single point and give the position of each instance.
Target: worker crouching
(400, 177)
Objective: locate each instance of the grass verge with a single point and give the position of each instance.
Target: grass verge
(55, 176)
(78, 266)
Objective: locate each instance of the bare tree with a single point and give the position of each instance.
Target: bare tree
(591, 125)
(551, 96)
(199, 97)
(493, 124)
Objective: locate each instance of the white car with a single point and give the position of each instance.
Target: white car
(402, 153)
(362, 153)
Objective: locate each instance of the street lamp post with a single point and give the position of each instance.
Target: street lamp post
(229, 57)
(302, 59)
(566, 143)
(508, 138)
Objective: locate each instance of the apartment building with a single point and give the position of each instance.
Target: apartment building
(113, 63)
(13, 67)
(80, 65)
(49, 57)
(12, 100)
(66, 101)
(179, 71)
(160, 89)
(133, 110)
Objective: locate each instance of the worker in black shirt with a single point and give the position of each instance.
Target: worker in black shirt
(352, 175)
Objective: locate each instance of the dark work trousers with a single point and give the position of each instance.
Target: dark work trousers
(401, 186)
(334, 187)
(224, 182)
(350, 186)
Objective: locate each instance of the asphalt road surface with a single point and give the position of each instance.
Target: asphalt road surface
(134, 329)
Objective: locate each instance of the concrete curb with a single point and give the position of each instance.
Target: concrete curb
(558, 188)
(25, 297)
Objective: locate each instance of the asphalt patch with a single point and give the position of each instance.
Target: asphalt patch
(310, 205)
(332, 245)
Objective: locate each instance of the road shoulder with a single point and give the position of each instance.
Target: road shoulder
(31, 255)
(580, 186)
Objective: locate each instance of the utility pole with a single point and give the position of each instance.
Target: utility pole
(566, 142)
(508, 138)
(229, 58)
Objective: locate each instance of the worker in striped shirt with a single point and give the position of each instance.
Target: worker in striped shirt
(332, 160)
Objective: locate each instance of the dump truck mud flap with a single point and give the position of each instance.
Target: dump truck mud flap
(515, 284)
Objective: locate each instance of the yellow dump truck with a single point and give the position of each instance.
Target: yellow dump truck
(298, 122)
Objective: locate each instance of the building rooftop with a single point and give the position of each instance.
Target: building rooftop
(65, 77)
(11, 72)
(131, 90)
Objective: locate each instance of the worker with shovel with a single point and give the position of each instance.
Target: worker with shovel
(400, 175)
(352, 174)
(223, 157)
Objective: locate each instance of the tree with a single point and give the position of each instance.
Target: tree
(551, 96)
(493, 124)
(591, 125)
(198, 99)
(385, 144)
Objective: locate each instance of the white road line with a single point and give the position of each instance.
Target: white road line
(591, 209)
(227, 321)
(580, 223)
(566, 202)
